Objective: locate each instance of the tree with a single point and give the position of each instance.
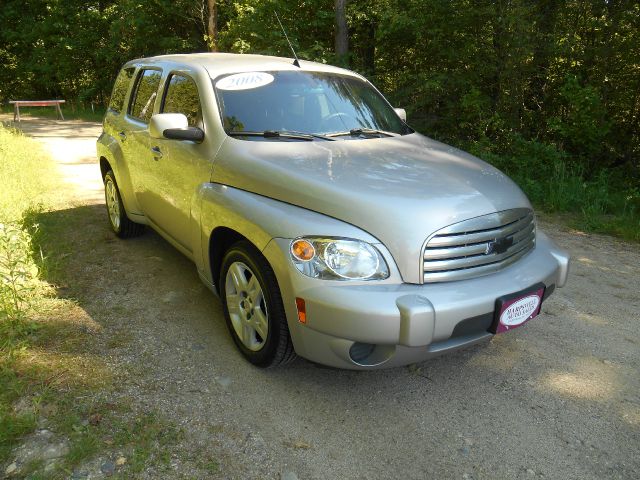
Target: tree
(342, 33)
(212, 27)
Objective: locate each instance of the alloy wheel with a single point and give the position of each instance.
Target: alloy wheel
(247, 306)
(113, 203)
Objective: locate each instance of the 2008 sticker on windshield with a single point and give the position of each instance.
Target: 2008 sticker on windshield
(244, 81)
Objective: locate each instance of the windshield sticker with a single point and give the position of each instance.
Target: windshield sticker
(244, 81)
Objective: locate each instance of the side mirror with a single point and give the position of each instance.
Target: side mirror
(194, 134)
(402, 113)
(165, 121)
(174, 126)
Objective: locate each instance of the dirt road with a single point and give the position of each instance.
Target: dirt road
(558, 399)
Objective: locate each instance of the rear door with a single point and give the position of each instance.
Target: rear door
(114, 117)
(136, 146)
(115, 126)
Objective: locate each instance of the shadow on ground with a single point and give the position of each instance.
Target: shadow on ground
(554, 399)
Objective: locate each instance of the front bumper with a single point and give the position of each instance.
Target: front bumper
(385, 324)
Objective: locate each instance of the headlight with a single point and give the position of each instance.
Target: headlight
(338, 259)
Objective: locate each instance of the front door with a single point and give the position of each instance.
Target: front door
(182, 166)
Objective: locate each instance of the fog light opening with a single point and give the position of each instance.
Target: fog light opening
(360, 351)
(370, 355)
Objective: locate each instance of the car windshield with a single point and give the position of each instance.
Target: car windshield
(302, 102)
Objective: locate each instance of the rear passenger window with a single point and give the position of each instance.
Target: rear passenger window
(182, 97)
(145, 94)
(120, 88)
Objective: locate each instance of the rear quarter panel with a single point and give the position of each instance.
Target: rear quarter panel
(108, 147)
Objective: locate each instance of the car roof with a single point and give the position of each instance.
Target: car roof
(223, 63)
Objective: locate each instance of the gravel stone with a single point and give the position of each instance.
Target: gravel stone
(223, 381)
(108, 468)
(11, 469)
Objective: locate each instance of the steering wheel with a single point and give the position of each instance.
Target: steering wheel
(332, 116)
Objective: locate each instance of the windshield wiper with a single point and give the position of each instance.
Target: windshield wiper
(356, 132)
(278, 134)
(314, 135)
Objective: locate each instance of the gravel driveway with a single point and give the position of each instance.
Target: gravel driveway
(559, 398)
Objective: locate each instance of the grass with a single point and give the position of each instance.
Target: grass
(20, 159)
(51, 375)
(600, 204)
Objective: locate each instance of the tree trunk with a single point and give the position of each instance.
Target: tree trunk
(342, 34)
(369, 56)
(212, 28)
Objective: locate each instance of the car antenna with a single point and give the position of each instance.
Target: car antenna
(295, 62)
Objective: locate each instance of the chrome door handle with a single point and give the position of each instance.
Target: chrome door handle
(123, 135)
(156, 152)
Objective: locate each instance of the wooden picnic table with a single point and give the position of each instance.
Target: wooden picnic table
(35, 103)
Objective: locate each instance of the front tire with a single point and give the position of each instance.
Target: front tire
(120, 223)
(253, 307)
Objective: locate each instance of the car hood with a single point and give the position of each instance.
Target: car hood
(398, 189)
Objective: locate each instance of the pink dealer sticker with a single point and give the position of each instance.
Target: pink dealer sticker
(514, 312)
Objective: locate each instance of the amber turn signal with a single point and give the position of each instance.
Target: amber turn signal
(302, 310)
(303, 250)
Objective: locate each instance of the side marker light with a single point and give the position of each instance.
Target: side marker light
(302, 310)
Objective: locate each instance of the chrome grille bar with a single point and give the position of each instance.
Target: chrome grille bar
(481, 236)
(479, 246)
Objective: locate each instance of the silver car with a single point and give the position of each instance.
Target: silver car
(329, 228)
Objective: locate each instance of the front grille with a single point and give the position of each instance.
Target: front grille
(479, 246)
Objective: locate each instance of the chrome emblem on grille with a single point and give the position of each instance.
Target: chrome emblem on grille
(498, 246)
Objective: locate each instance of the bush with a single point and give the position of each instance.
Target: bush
(601, 202)
(18, 272)
(582, 126)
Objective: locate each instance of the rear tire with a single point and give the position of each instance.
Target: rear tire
(253, 307)
(120, 223)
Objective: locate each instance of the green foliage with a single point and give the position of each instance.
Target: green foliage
(26, 178)
(73, 49)
(19, 282)
(554, 81)
(582, 125)
(29, 180)
(253, 28)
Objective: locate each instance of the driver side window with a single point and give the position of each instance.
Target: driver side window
(182, 97)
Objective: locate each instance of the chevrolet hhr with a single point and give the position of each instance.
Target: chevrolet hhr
(328, 227)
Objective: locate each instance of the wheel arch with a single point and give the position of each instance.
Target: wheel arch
(110, 156)
(220, 240)
(105, 166)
